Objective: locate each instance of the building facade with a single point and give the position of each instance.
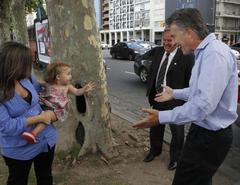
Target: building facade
(134, 20)
(124, 20)
(221, 16)
(206, 7)
(97, 7)
(228, 20)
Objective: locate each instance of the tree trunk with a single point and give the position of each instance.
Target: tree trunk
(75, 40)
(5, 21)
(12, 21)
(18, 19)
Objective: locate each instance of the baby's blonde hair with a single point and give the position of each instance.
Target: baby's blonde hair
(53, 70)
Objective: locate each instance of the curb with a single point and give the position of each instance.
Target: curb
(123, 116)
(225, 168)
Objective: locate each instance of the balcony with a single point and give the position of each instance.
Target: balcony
(231, 1)
(227, 28)
(105, 16)
(105, 9)
(105, 2)
(106, 23)
(231, 28)
(141, 1)
(230, 14)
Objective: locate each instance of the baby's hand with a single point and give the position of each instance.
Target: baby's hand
(91, 86)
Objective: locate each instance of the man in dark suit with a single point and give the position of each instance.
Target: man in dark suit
(169, 67)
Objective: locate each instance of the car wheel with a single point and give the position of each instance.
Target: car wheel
(114, 55)
(143, 75)
(130, 57)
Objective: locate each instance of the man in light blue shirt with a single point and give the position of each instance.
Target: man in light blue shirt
(211, 100)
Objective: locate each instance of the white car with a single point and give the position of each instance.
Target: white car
(104, 45)
(236, 54)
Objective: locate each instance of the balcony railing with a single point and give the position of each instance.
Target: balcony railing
(232, 28)
(229, 28)
(105, 9)
(231, 1)
(228, 13)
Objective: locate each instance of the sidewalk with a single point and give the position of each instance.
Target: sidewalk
(231, 165)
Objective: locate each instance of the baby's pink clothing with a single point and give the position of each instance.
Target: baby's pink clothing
(57, 99)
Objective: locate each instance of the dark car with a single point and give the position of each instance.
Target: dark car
(236, 46)
(127, 50)
(143, 63)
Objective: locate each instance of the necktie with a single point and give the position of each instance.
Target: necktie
(161, 74)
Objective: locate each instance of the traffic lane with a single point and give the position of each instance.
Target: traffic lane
(124, 83)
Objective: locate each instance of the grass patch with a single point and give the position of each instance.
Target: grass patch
(100, 180)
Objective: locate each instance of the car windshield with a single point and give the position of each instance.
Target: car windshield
(134, 45)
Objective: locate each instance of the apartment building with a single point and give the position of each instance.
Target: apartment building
(134, 20)
(157, 20)
(206, 7)
(98, 12)
(228, 20)
(221, 16)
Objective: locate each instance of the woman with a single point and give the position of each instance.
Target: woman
(19, 112)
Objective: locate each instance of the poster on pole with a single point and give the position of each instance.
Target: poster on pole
(43, 41)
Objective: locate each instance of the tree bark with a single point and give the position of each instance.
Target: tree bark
(12, 21)
(18, 19)
(75, 40)
(5, 21)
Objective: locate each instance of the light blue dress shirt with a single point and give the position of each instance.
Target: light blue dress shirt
(212, 93)
(13, 114)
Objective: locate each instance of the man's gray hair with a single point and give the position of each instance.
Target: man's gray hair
(166, 29)
(189, 17)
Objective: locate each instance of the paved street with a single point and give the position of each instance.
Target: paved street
(127, 94)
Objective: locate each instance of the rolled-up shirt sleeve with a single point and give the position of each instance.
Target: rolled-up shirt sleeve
(181, 94)
(11, 126)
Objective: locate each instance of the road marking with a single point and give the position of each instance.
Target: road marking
(129, 72)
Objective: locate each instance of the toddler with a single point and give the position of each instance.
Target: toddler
(54, 97)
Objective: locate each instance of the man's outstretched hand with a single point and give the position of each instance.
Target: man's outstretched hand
(166, 95)
(149, 121)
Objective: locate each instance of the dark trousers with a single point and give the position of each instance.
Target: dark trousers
(19, 169)
(177, 141)
(203, 153)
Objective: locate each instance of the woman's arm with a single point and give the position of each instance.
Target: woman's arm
(45, 117)
(17, 125)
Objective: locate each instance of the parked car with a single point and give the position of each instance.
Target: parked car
(236, 46)
(142, 65)
(236, 53)
(127, 50)
(104, 45)
(147, 44)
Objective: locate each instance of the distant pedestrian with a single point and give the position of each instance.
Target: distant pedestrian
(211, 100)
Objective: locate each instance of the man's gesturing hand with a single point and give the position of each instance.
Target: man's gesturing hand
(166, 95)
(149, 121)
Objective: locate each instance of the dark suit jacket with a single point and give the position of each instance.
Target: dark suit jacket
(178, 76)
